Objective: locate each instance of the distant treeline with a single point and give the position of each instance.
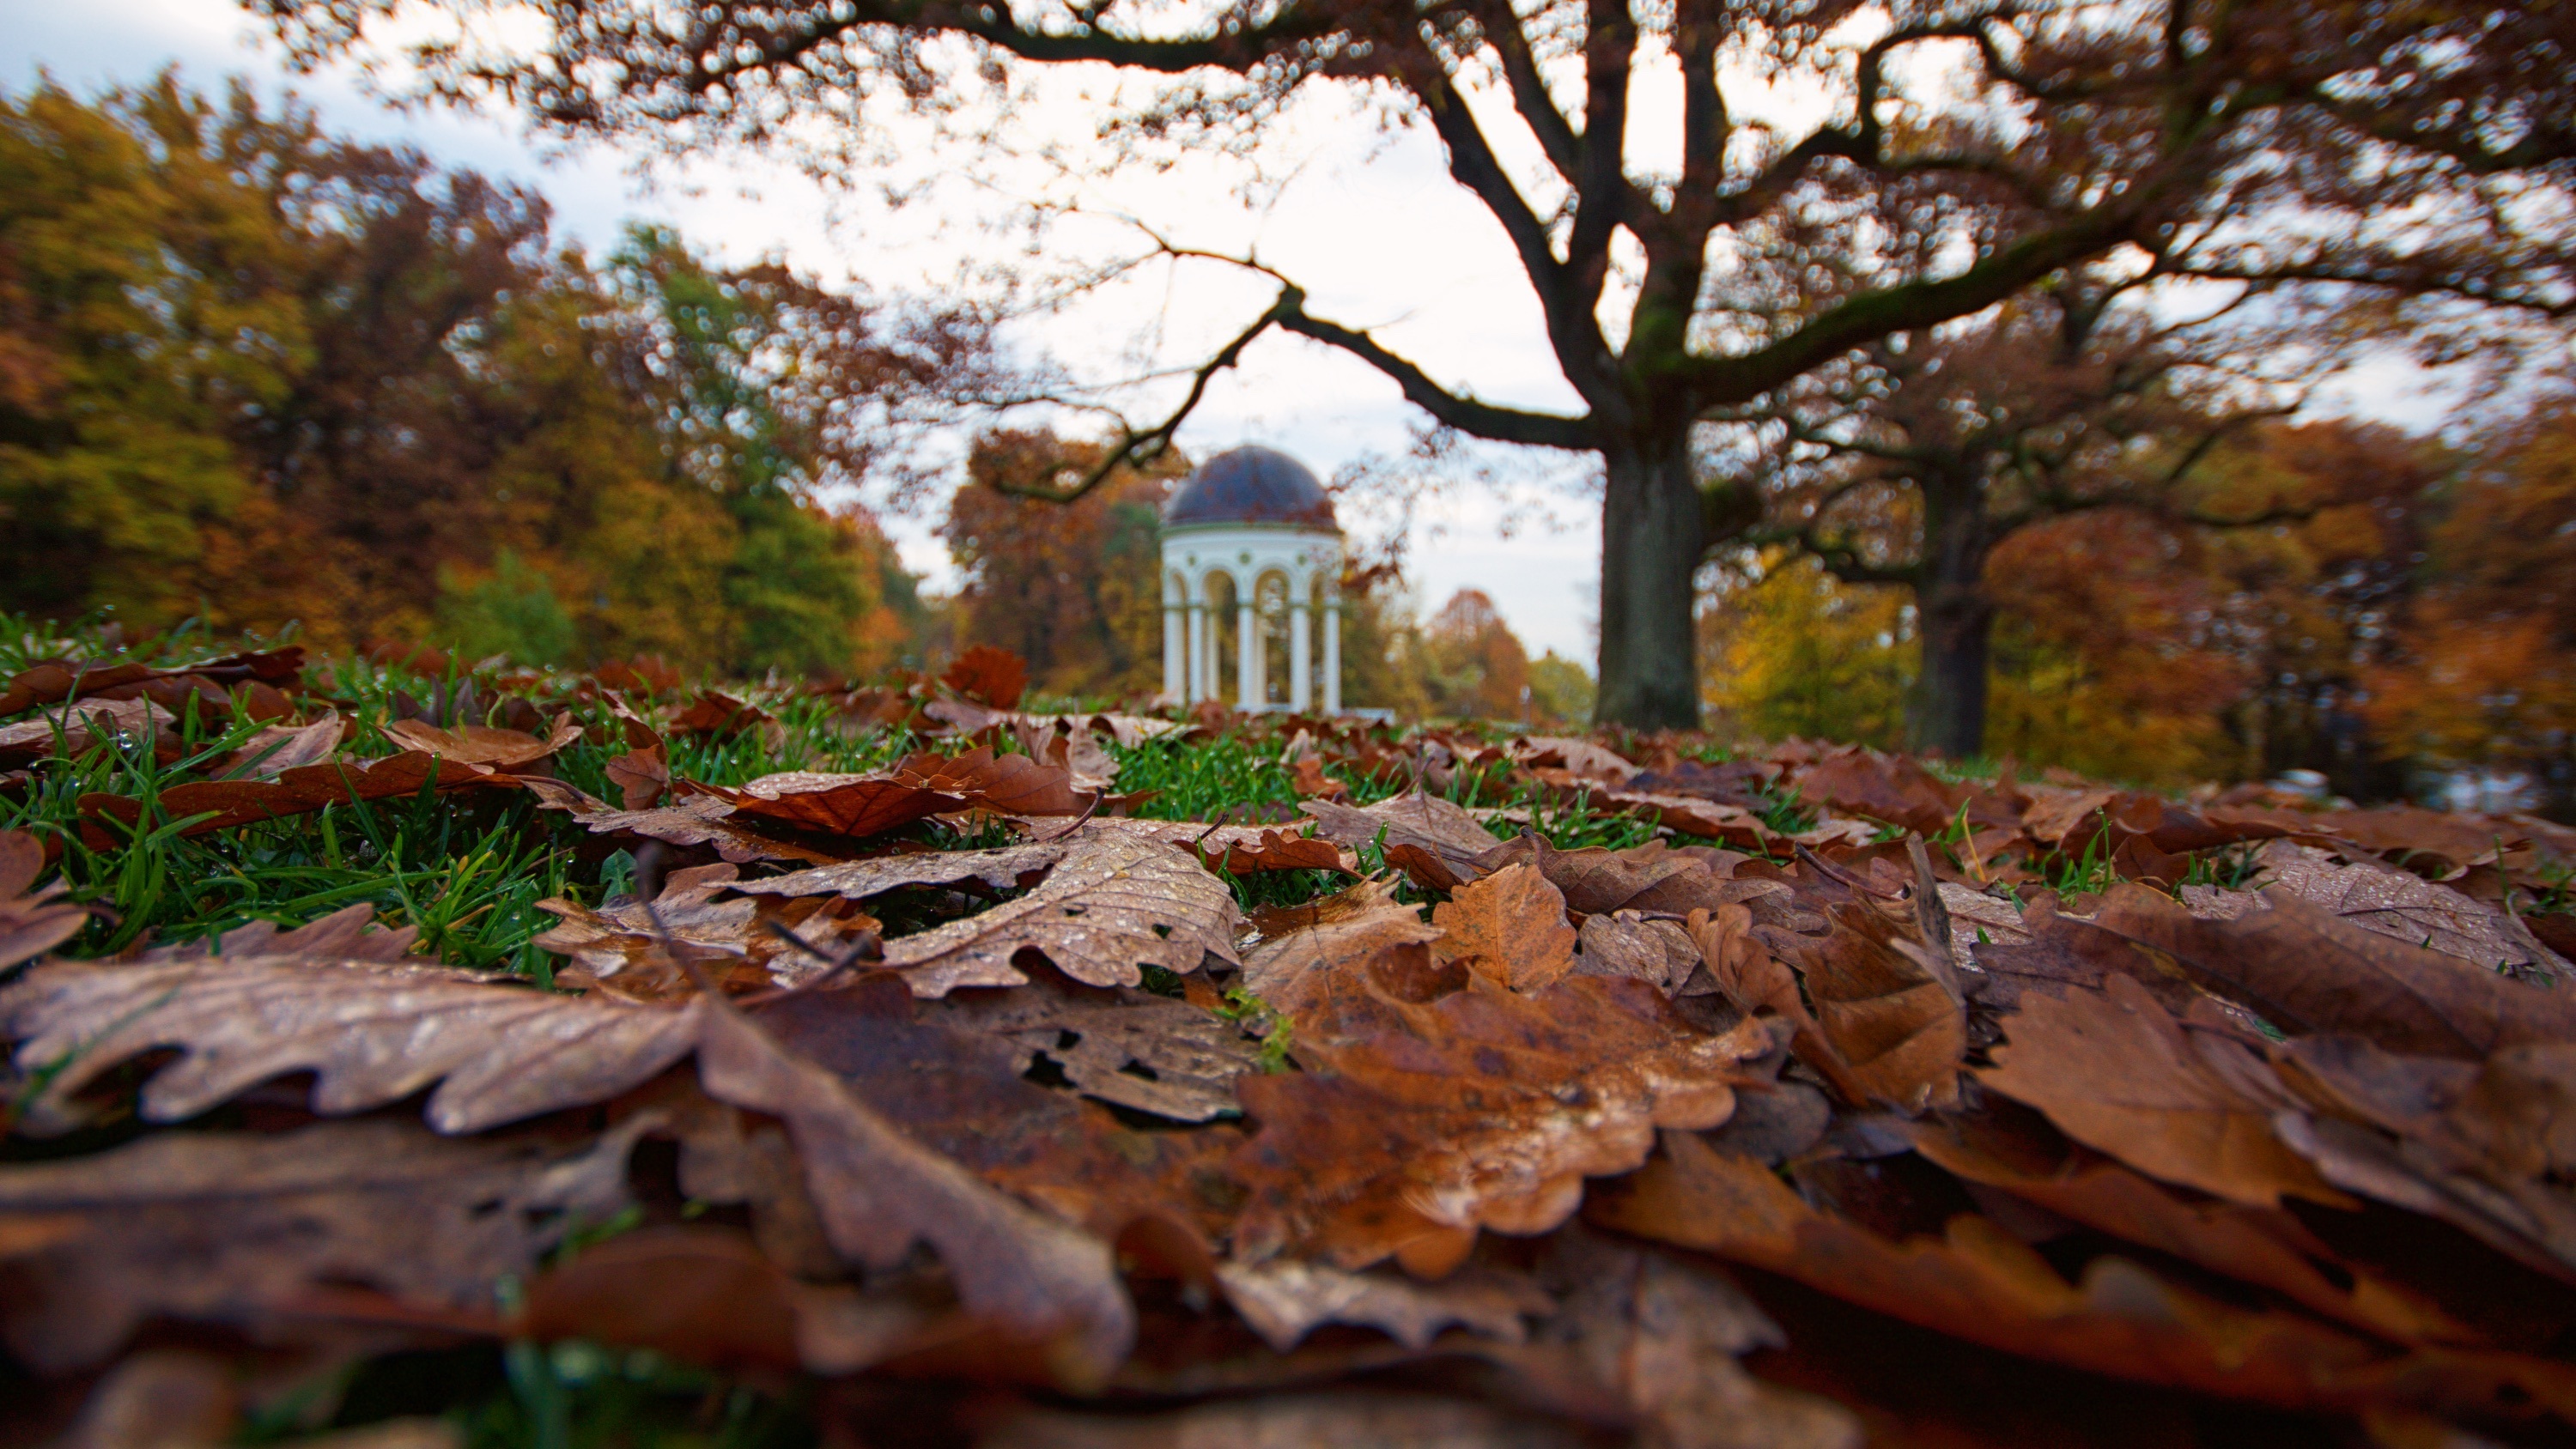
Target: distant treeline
(254, 373)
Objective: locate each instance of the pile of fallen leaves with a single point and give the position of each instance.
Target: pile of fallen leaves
(1859, 1104)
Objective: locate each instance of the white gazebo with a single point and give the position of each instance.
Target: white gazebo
(1251, 533)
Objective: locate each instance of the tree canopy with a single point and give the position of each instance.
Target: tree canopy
(2420, 152)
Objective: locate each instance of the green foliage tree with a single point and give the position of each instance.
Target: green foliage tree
(252, 371)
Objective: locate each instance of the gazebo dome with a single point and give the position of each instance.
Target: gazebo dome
(1251, 485)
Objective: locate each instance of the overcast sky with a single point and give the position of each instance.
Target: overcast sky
(1367, 221)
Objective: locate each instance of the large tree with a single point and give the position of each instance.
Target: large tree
(2426, 148)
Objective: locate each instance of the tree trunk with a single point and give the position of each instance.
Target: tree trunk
(1650, 552)
(1957, 621)
(1949, 706)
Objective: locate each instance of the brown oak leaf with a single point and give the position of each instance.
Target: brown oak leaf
(1509, 926)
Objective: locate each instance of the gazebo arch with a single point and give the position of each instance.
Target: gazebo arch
(1242, 517)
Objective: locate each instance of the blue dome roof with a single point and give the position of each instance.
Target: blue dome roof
(1251, 485)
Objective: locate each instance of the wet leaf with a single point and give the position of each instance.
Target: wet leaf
(347, 934)
(620, 943)
(1436, 1104)
(1510, 927)
(1138, 1050)
(699, 821)
(1426, 822)
(372, 1034)
(73, 730)
(2386, 901)
(2266, 1248)
(1658, 953)
(1109, 908)
(279, 748)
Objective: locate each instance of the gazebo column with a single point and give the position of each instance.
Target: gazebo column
(1333, 655)
(1248, 663)
(1301, 673)
(1175, 645)
(1202, 653)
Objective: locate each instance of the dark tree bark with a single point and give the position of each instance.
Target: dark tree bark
(1948, 713)
(1650, 554)
(1954, 619)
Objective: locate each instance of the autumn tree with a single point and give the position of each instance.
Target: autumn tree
(2481, 669)
(1074, 589)
(2411, 147)
(1473, 664)
(258, 373)
(1913, 461)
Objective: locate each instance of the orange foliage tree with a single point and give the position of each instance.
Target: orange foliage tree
(1075, 589)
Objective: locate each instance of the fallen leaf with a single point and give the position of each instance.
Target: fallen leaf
(1753, 980)
(1426, 822)
(347, 934)
(1311, 783)
(2115, 1072)
(2386, 901)
(700, 820)
(1658, 953)
(32, 921)
(880, 1192)
(708, 1297)
(506, 750)
(1301, 949)
(2260, 1246)
(1581, 758)
(74, 729)
(1109, 908)
(2307, 971)
(1008, 867)
(642, 776)
(716, 715)
(1896, 1027)
(1509, 926)
(297, 791)
(1334, 1417)
(1240, 848)
(1436, 1104)
(2059, 951)
(1980, 1284)
(1284, 1300)
(279, 748)
(963, 1092)
(1665, 1337)
(58, 680)
(621, 944)
(1648, 877)
(232, 1228)
(372, 1034)
(1005, 784)
(1132, 1048)
(855, 806)
(995, 676)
